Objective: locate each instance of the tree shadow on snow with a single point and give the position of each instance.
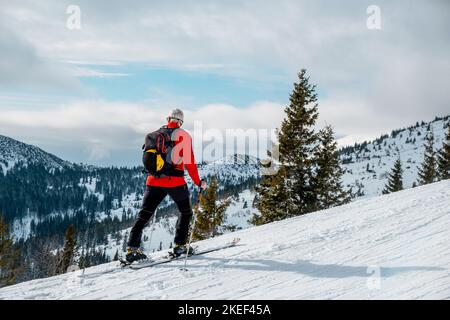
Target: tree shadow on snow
(309, 268)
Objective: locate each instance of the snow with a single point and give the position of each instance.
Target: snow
(21, 228)
(161, 233)
(236, 214)
(14, 152)
(381, 158)
(395, 246)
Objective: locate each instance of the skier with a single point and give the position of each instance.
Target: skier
(171, 183)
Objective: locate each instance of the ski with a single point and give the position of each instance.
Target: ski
(149, 261)
(170, 258)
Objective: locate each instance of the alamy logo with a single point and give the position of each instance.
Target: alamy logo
(374, 280)
(74, 19)
(374, 19)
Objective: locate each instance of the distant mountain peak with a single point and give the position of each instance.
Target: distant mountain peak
(240, 159)
(13, 152)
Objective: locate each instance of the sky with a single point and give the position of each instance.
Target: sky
(88, 87)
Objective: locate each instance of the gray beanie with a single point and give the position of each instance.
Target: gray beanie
(176, 114)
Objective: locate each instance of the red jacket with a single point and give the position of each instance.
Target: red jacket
(184, 162)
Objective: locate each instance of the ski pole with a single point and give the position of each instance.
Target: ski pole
(197, 202)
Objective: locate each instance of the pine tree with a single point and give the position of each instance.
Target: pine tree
(395, 179)
(67, 255)
(443, 157)
(297, 140)
(9, 256)
(299, 187)
(211, 214)
(327, 180)
(272, 199)
(428, 172)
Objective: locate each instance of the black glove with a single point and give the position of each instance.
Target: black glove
(202, 185)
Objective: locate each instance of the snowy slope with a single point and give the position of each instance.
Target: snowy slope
(395, 246)
(14, 152)
(370, 165)
(160, 235)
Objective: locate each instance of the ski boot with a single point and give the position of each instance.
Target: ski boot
(180, 249)
(134, 254)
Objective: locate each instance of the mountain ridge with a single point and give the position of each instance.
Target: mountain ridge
(14, 152)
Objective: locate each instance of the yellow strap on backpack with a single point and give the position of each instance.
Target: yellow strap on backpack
(159, 160)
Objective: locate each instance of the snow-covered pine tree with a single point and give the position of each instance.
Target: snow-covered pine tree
(327, 179)
(210, 216)
(297, 140)
(428, 170)
(443, 157)
(67, 255)
(395, 179)
(273, 199)
(9, 256)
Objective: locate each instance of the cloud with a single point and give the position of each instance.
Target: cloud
(259, 115)
(240, 35)
(97, 150)
(369, 81)
(88, 72)
(112, 133)
(21, 66)
(405, 91)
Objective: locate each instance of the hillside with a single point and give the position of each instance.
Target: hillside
(368, 164)
(332, 254)
(40, 194)
(14, 152)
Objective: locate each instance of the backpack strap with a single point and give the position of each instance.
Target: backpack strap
(169, 132)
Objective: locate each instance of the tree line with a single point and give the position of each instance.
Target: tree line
(434, 167)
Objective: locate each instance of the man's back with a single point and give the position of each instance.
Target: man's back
(182, 157)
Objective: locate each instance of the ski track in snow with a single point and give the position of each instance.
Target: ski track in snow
(323, 255)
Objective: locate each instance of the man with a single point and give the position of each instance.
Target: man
(172, 184)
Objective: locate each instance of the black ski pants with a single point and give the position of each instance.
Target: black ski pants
(152, 198)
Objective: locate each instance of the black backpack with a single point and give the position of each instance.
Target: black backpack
(157, 157)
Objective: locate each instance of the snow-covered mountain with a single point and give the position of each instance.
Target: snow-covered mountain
(95, 184)
(108, 199)
(14, 152)
(395, 246)
(368, 165)
(366, 168)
